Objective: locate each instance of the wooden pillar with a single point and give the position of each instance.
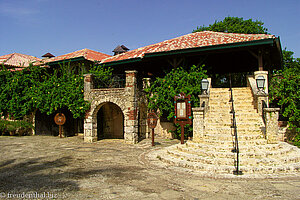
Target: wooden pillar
(260, 61)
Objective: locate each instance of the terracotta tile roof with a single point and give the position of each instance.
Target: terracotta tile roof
(192, 40)
(17, 60)
(86, 53)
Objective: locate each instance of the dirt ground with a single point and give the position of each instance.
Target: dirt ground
(46, 167)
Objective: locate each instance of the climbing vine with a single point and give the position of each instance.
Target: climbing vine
(22, 92)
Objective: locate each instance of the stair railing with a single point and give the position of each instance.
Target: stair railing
(236, 143)
(264, 105)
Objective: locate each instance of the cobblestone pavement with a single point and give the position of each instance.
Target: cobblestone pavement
(66, 168)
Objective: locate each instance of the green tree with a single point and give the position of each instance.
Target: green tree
(235, 25)
(285, 91)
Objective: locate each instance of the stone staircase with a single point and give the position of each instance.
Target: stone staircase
(214, 154)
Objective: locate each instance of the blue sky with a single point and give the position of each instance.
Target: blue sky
(35, 27)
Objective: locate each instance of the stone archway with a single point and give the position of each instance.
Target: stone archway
(126, 99)
(110, 122)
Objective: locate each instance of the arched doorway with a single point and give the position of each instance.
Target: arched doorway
(110, 122)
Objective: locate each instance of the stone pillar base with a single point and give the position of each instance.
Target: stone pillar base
(198, 124)
(271, 116)
(90, 139)
(131, 138)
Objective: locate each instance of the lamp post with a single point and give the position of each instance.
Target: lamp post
(260, 83)
(204, 85)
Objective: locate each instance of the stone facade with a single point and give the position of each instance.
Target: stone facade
(127, 99)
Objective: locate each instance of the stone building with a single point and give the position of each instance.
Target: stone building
(222, 53)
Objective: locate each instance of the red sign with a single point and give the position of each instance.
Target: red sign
(60, 119)
(152, 120)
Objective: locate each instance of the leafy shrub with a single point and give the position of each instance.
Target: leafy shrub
(19, 127)
(285, 91)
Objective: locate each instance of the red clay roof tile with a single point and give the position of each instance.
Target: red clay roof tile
(192, 40)
(17, 60)
(86, 53)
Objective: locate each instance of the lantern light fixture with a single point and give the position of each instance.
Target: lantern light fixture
(260, 83)
(204, 85)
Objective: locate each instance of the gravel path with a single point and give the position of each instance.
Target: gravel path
(45, 167)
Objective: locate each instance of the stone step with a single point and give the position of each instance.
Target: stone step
(223, 109)
(228, 169)
(240, 125)
(229, 115)
(196, 166)
(241, 143)
(249, 159)
(266, 147)
(229, 104)
(244, 134)
(228, 130)
(255, 156)
(229, 119)
(229, 137)
(213, 94)
(245, 101)
(225, 97)
(282, 146)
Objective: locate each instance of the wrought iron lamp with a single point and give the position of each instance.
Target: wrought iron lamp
(204, 85)
(260, 83)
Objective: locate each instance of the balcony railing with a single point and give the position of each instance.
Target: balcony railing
(116, 81)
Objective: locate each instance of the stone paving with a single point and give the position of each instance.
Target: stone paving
(48, 167)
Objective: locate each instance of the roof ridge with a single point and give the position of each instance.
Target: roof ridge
(9, 57)
(235, 33)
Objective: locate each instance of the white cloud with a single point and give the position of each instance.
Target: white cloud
(15, 10)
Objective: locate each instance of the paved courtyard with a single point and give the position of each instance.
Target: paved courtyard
(66, 168)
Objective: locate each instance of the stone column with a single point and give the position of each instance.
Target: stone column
(131, 118)
(89, 136)
(198, 124)
(271, 118)
(88, 124)
(88, 85)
